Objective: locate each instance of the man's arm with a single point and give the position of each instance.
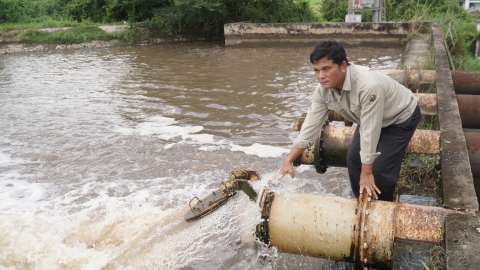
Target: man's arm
(368, 182)
(316, 116)
(370, 128)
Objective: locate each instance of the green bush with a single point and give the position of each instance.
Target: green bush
(334, 10)
(209, 16)
(97, 11)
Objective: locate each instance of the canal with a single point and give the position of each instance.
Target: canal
(101, 151)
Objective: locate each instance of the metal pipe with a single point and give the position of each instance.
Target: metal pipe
(426, 102)
(469, 108)
(472, 139)
(466, 82)
(412, 79)
(359, 231)
(335, 141)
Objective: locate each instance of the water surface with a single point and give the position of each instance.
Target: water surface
(101, 151)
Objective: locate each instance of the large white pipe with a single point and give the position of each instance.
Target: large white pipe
(343, 229)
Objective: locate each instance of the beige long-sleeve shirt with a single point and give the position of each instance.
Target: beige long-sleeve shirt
(369, 98)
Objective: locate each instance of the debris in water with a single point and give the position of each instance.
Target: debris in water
(238, 180)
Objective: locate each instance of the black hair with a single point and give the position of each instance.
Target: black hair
(331, 50)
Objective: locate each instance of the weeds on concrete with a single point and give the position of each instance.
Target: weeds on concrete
(436, 260)
(428, 62)
(422, 180)
(79, 34)
(428, 122)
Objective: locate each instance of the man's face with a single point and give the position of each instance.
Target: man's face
(330, 74)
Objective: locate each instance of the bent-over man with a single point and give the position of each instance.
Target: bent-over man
(386, 112)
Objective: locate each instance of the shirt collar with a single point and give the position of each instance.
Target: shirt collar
(347, 84)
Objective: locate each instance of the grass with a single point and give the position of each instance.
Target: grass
(35, 26)
(79, 33)
(422, 180)
(436, 260)
(315, 5)
(73, 35)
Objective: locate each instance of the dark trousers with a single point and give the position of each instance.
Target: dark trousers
(392, 144)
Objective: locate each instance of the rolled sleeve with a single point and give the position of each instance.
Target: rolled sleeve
(373, 102)
(316, 116)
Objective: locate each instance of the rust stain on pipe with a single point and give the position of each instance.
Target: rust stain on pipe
(469, 108)
(298, 124)
(466, 82)
(419, 223)
(359, 231)
(472, 139)
(424, 141)
(337, 140)
(415, 78)
(427, 103)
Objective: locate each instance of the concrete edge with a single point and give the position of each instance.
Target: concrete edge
(377, 34)
(457, 179)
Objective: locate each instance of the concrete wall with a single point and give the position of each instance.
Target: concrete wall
(378, 34)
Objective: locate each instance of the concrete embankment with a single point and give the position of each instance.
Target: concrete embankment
(374, 34)
(8, 45)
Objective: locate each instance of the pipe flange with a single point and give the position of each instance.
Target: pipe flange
(318, 156)
(298, 161)
(407, 77)
(265, 204)
(360, 245)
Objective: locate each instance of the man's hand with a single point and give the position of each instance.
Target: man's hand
(287, 167)
(368, 182)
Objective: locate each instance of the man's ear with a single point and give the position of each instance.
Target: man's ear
(343, 66)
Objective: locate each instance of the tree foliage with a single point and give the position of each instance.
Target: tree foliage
(203, 16)
(209, 16)
(334, 10)
(98, 11)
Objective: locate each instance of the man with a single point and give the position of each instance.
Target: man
(386, 112)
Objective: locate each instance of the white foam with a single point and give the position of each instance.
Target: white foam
(164, 128)
(260, 150)
(170, 145)
(4, 158)
(211, 148)
(19, 195)
(303, 168)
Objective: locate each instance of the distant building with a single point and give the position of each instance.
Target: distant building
(470, 5)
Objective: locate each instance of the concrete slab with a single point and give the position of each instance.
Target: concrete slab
(114, 28)
(53, 29)
(457, 179)
(410, 254)
(462, 239)
(415, 53)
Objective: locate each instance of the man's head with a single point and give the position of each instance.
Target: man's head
(331, 50)
(330, 63)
